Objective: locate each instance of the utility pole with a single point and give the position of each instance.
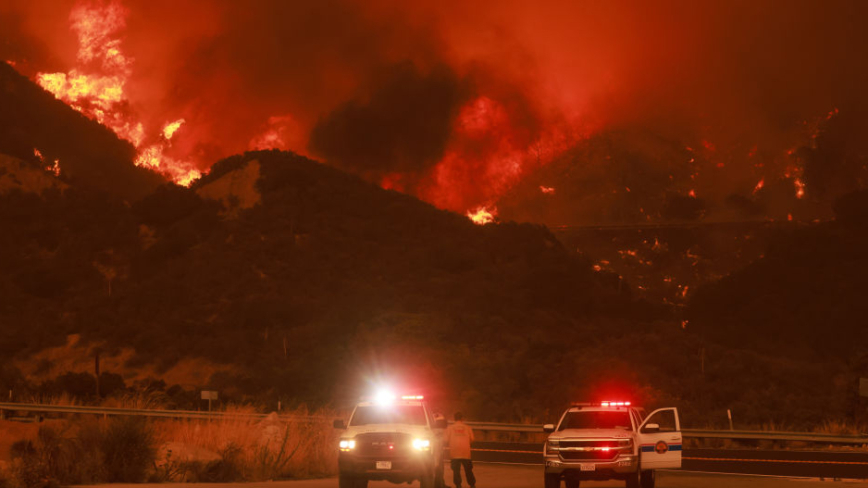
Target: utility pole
(96, 370)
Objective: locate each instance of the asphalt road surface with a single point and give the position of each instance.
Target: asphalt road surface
(502, 476)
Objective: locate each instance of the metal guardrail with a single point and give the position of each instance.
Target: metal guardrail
(777, 436)
(175, 414)
(482, 426)
(709, 434)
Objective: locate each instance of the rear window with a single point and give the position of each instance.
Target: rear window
(596, 420)
(389, 414)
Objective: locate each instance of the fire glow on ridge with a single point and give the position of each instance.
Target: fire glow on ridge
(96, 87)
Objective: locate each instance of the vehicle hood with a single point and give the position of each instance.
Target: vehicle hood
(591, 434)
(416, 430)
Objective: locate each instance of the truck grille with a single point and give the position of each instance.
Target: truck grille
(589, 450)
(589, 455)
(590, 443)
(383, 445)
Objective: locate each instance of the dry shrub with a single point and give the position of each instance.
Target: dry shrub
(83, 451)
(295, 445)
(142, 400)
(838, 427)
(127, 445)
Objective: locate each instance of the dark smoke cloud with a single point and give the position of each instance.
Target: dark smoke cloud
(403, 126)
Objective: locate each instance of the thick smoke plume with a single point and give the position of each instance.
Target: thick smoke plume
(403, 126)
(457, 102)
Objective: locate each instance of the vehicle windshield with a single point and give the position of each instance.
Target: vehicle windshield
(389, 414)
(596, 420)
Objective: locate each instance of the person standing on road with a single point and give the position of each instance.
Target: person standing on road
(458, 437)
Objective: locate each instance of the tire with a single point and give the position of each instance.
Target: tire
(572, 483)
(633, 479)
(346, 481)
(648, 478)
(553, 481)
(426, 481)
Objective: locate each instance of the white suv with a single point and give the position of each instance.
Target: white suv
(611, 440)
(390, 439)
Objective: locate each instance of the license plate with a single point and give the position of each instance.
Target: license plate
(588, 467)
(384, 464)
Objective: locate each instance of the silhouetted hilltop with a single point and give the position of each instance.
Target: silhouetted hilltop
(276, 277)
(804, 298)
(90, 154)
(308, 281)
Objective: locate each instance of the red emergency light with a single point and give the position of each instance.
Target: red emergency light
(615, 404)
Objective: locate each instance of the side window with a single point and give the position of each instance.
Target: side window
(665, 419)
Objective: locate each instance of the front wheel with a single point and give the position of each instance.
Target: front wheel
(347, 481)
(553, 481)
(648, 478)
(572, 483)
(427, 480)
(633, 480)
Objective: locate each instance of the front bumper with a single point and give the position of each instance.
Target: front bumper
(618, 468)
(403, 468)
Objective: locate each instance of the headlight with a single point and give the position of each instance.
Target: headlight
(347, 444)
(552, 446)
(625, 443)
(421, 444)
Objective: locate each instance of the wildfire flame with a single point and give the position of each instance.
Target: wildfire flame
(800, 187)
(759, 186)
(96, 87)
(482, 215)
(170, 128)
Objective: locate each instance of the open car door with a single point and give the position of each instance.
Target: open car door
(660, 440)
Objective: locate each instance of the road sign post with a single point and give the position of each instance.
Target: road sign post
(209, 395)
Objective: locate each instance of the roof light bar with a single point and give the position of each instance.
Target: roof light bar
(412, 397)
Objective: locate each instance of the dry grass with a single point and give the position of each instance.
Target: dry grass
(63, 399)
(294, 445)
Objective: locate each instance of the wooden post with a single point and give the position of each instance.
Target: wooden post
(96, 370)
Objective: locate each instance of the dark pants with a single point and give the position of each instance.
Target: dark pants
(468, 472)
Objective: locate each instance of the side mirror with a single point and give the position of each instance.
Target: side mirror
(339, 424)
(440, 424)
(548, 428)
(651, 428)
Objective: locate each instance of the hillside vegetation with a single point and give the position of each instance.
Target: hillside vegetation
(309, 285)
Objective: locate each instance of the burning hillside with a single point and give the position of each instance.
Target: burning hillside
(36, 127)
(459, 104)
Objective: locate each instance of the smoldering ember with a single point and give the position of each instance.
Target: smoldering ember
(505, 206)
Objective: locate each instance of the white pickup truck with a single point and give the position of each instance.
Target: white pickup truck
(391, 439)
(611, 440)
